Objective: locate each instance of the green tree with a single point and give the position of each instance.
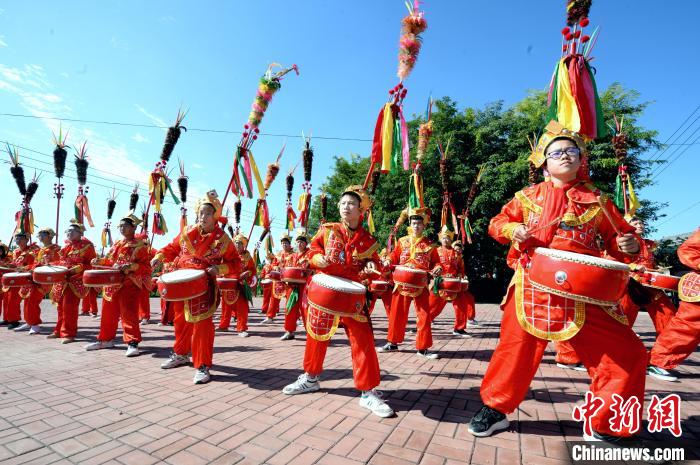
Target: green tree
(497, 137)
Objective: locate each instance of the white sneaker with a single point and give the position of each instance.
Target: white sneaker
(429, 355)
(472, 323)
(175, 360)
(287, 336)
(572, 366)
(36, 329)
(266, 321)
(243, 334)
(23, 327)
(145, 321)
(202, 375)
(373, 401)
(661, 373)
(97, 345)
(301, 385)
(132, 350)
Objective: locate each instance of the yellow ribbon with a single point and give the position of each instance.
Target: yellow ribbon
(256, 174)
(387, 137)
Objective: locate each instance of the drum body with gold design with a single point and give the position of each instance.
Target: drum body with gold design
(334, 295)
(379, 287)
(275, 275)
(294, 275)
(49, 274)
(451, 285)
(580, 277)
(657, 280)
(182, 285)
(227, 284)
(410, 277)
(100, 278)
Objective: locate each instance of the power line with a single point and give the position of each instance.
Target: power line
(679, 213)
(666, 144)
(141, 125)
(673, 160)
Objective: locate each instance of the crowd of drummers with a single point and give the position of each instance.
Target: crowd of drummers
(582, 273)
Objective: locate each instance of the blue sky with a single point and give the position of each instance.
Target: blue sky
(137, 62)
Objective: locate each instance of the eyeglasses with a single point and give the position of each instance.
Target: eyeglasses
(571, 152)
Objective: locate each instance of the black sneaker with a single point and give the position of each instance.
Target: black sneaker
(4, 323)
(487, 421)
(13, 324)
(388, 347)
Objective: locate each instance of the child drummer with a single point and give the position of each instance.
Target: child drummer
(563, 213)
(130, 256)
(205, 246)
(344, 250)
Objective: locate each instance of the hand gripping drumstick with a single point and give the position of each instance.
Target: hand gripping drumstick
(609, 217)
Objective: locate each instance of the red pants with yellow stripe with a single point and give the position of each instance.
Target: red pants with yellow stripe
(398, 318)
(32, 306)
(124, 306)
(679, 339)
(463, 305)
(144, 304)
(197, 338)
(67, 309)
(613, 354)
(239, 308)
(365, 365)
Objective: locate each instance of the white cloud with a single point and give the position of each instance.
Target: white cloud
(140, 138)
(2, 42)
(196, 166)
(154, 119)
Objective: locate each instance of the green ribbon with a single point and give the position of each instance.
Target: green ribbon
(292, 300)
(248, 293)
(436, 285)
(396, 150)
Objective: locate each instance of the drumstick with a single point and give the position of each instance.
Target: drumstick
(609, 217)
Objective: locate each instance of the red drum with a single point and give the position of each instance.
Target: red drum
(16, 279)
(410, 277)
(4, 269)
(379, 287)
(337, 296)
(579, 277)
(50, 274)
(294, 275)
(465, 285)
(656, 280)
(451, 285)
(181, 285)
(227, 284)
(275, 275)
(100, 278)
(265, 281)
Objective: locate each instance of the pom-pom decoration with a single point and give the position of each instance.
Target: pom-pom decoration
(32, 187)
(375, 182)
(324, 206)
(290, 184)
(111, 204)
(425, 131)
(134, 198)
(81, 164)
(59, 153)
(182, 182)
(576, 10)
(16, 170)
(172, 136)
(273, 169)
(410, 41)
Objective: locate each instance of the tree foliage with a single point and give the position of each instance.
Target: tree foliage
(497, 137)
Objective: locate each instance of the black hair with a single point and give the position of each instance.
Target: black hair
(353, 194)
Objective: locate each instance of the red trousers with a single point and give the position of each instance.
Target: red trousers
(197, 338)
(32, 306)
(679, 339)
(386, 300)
(239, 308)
(292, 316)
(613, 354)
(13, 303)
(365, 365)
(67, 320)
(90, 302)
(123, 305)
(4, 297)
(270, 305)
(144, 304)
(463, 305)
(398, 318)
(167, 315)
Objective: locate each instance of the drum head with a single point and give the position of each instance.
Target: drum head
(341, 284)
(181, 276)
(17, 275)
(50, 269)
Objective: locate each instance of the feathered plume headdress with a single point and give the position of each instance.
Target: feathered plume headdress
(172, 136)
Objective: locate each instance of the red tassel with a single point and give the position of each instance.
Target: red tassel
(585, 39)
(584, 22)
(565, 31)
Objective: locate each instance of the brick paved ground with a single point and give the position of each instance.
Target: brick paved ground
(60, 404)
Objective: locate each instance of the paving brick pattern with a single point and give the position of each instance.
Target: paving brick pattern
(61, 404)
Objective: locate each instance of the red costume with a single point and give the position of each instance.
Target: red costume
(295, 309)
(681, 336)
(419, 253)
(270, 305)
(23, 259)
(44, 256)
(89, 302)
(236, 302)
(194, 329)
(121, 301)
(346, 253)
(569, 219)
(452, 267)
(145, 296)
(76, 256)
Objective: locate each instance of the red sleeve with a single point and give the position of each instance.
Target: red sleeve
(434, 258)
(142, 262)
(170, 251)
(503, 225)
(395, 255)
(689, 251)
(317, 246)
